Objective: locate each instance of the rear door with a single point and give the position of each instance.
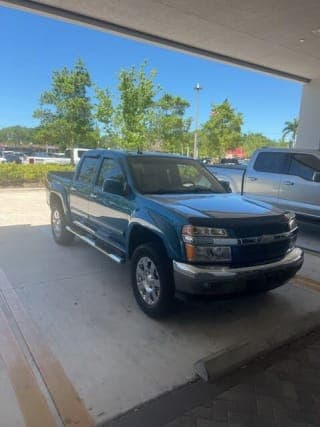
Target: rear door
(109, 213)
(81, 188)
(299, 192)
(262, 179)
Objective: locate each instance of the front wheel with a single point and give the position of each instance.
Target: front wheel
(58, 226)
(152, 280)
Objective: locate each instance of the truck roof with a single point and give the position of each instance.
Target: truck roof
(127, 153)
(291, 150)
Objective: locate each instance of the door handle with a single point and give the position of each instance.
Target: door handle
(252, 178)
(93, 196)
(288, 183)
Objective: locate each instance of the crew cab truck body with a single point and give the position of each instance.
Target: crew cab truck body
(176, 224)
(289, 179)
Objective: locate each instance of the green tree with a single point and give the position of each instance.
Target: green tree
(48, 134)
(16, 135)
(135, 111)
(291, 129)
(170, 127)
(222, 131)
(65, 111)
(105, 115)
(252, 141)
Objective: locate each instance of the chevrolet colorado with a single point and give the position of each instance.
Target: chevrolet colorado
(174, 221)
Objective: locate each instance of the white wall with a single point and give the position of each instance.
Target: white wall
(309, 120)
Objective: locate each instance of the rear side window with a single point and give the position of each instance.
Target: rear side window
(87, 170)
(272, 162)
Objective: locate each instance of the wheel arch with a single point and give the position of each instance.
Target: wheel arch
(56, 198)
(140, 235)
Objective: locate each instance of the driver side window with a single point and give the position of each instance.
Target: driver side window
(110, 169)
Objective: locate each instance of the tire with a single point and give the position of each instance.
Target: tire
(156, 297)
(58, 226)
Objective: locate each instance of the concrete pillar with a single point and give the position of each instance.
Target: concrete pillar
(309, 120)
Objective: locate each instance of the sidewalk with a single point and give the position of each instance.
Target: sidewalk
(281, 389)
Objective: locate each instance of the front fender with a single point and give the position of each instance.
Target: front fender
(163, 228)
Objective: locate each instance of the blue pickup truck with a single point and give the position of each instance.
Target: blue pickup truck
(176, 224)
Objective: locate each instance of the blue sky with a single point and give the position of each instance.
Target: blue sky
(33, 46)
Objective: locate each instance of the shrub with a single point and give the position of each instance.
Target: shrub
(12, 174)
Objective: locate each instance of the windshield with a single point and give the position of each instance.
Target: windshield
(161, 175)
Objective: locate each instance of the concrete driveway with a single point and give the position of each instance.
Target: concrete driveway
(69, 313)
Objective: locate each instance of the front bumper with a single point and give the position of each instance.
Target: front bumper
(215, 280)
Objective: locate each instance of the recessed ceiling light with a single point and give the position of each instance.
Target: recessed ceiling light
(301, 40)
(316, 31)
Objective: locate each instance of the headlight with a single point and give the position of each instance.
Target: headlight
(200, 244)
(193, 234)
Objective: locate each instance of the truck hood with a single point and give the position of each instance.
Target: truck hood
(215, 205)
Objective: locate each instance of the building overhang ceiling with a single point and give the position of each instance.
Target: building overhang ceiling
(281, 37)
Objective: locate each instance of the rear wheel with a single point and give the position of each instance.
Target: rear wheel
(152, 280)
(58, 226)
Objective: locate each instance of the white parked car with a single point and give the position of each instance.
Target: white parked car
(75, 154)
(2, 157)
(46, 158)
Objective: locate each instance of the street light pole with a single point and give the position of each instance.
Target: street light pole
(197, 88)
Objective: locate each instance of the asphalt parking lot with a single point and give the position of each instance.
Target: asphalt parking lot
(69, 312)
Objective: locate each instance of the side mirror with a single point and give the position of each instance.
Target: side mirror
(226, 186)
(316, 177)
(114, 186)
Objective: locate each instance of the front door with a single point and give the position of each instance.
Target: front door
(109, 213)
(298, 191)
(262, 180)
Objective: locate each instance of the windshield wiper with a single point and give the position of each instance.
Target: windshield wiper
(198, 189)
(165, 191)
(195, 189)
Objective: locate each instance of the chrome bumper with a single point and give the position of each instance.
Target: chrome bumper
(215, 280)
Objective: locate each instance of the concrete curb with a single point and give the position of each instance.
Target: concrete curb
(21, 188)
(219, 363)
(311, 251)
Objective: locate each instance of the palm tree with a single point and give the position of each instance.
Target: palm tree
(291, 129)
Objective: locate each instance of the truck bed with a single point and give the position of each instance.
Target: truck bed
(62, 177)
(233, 174)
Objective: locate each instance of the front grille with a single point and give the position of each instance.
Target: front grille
(259, 254)
(253, 230)
(250, 253)
(244, 255)
(260, 226)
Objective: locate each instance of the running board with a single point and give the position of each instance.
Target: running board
(85, 227)
(116, 258)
